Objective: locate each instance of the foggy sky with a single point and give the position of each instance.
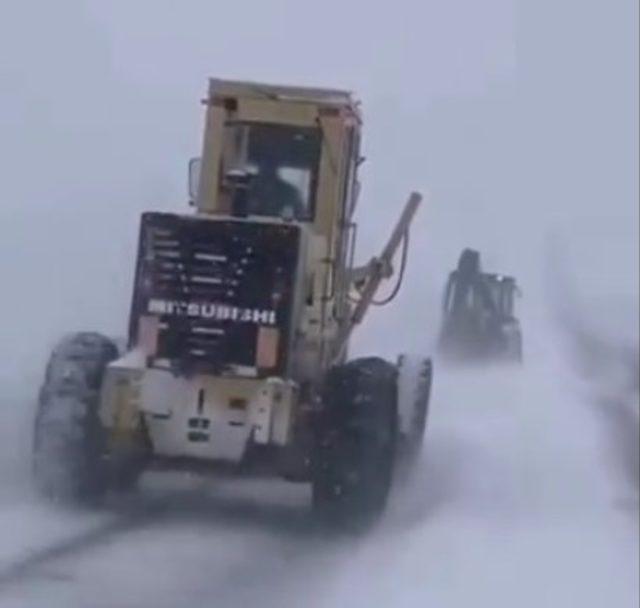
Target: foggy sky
(519, 120)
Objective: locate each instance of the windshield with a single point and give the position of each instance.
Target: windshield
(481, 293)
(283, 164)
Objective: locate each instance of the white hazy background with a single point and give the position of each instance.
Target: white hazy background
(518, 120)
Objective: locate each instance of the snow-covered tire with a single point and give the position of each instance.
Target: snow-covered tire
(415, 378)
(68, 439)
(356, 446)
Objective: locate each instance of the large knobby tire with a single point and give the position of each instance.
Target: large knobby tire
(415, 382)
(356, 445)
(69, 441)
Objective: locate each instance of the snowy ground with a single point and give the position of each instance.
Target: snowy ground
(523, 498)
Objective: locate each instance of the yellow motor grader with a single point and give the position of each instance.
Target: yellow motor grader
(242, 311)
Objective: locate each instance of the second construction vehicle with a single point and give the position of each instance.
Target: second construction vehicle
(237, 356)
(479, 322)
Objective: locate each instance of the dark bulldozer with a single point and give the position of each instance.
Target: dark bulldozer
(479, 322)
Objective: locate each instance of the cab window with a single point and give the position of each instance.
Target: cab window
(282, 165)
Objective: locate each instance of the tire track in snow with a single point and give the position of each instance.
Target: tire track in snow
(31, 565)
(291, 532)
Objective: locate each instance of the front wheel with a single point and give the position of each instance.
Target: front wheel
(356, 443)
(69, 441)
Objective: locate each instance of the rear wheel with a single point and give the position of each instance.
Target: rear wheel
(356, 446)
(69, 441)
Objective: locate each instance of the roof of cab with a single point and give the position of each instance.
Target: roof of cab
(256, 90)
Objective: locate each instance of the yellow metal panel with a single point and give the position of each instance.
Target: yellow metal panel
(277, 112)
(211, 156)
(330, 180)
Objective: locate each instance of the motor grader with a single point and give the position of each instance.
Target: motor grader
(242, 311)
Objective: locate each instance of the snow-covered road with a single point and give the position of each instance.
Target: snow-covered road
(520, 500)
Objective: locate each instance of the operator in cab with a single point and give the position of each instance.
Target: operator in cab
(273, 196)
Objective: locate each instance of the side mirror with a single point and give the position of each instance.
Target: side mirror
(195, 164)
